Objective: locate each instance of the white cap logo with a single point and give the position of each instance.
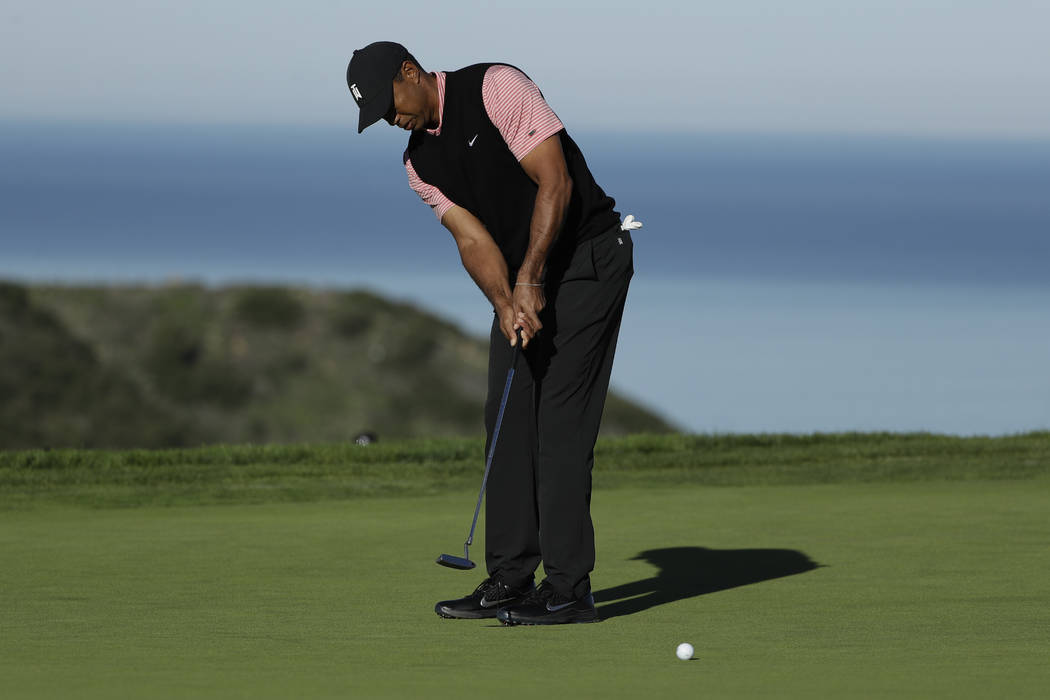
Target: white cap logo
(357, 93)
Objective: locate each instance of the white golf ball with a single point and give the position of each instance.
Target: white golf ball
(684, 651)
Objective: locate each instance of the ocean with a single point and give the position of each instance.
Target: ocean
(783, 283)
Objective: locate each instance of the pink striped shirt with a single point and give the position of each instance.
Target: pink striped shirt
(516, 108)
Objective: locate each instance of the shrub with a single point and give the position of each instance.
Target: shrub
(269, 307)
(175, 359)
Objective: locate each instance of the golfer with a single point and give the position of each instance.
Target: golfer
(545, 245)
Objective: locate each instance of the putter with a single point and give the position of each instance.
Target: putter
(464, 563)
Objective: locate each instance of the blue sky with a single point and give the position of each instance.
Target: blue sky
(925, 67)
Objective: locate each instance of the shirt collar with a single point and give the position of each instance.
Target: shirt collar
(441, 103)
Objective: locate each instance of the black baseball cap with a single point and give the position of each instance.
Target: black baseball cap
(370, 77)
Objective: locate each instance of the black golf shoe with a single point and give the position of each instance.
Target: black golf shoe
(545, 607)
(491, 596)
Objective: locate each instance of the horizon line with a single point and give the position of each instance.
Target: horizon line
(973, 137)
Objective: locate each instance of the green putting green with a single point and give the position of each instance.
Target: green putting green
(919, 589)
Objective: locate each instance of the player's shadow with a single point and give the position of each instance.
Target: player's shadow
(685, 572)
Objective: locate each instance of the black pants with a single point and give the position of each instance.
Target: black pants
(539, 491)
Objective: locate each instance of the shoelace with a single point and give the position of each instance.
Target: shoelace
(493, 586)
(500, 589)
(540, 594)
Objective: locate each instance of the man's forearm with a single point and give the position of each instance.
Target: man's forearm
(486, 266)
(548, 216)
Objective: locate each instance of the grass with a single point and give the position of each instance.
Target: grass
(932, 589)
(261, 474)
(846, 566)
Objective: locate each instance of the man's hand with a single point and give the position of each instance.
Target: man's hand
(527, 305)
(508, 323)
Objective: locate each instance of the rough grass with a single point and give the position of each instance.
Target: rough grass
(276, 473)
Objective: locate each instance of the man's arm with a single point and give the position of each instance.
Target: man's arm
(484, 261)
(545, 165)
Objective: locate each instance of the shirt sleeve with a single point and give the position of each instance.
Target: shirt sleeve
(516, 107)
(431, 195)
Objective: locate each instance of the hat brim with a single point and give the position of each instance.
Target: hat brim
(374, 109)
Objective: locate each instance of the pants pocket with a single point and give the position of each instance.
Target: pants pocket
(582, 265)
(614, 255)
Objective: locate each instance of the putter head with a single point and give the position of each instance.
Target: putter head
(455, 562)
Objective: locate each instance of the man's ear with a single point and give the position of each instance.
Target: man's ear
(409, 71)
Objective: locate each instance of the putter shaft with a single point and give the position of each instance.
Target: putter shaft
(446, 559)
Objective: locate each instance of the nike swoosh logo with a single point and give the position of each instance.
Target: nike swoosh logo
(471, 142)
(486, 603)
(556, 608)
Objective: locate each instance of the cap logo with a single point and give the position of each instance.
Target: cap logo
(357, 93)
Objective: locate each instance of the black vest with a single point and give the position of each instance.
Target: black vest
(471, 164)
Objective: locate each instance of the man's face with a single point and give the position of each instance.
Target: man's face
(410, 110)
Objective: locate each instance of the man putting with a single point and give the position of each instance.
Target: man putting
(543, 242)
